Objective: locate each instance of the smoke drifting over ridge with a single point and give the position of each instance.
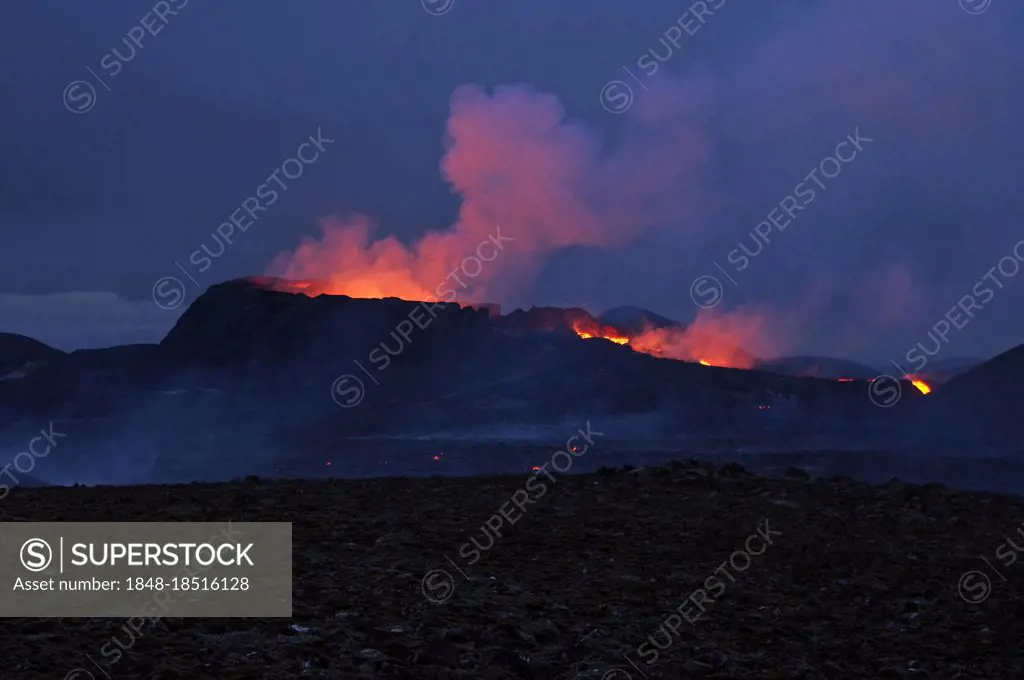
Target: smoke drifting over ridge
(700, 159)
(733, 339)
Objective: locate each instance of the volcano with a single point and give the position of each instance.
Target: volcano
(251, 378)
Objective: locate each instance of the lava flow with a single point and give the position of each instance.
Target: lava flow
(587, 329)
(666, 343)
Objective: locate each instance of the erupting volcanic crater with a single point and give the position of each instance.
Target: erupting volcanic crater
(665, 340)
(706, 342)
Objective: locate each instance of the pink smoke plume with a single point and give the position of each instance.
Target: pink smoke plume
(525, 170)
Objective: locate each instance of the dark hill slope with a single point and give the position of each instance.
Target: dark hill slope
(986, 402)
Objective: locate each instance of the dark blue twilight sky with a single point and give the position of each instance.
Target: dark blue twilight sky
(463, 113)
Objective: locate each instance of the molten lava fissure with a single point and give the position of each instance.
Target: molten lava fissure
(591, 329)
(712, 339)
(921, 385)
(694, 344)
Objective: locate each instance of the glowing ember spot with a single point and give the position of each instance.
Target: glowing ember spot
(845, 379)
(921, 385)
(536, 468)
(704, 362)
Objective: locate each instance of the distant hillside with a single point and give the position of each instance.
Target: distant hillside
(636, 320)
(19, 351)
(16, 348)
(944, 370)
(986, 402)
(818, 367)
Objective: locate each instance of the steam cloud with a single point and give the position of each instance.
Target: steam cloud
(689, 166)
(520, 163)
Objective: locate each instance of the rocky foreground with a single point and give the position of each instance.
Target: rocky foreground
(680, 572)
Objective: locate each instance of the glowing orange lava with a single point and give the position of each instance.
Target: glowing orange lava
(703, 362)
(592, 330)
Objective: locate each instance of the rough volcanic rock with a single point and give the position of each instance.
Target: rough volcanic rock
(857, 582)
